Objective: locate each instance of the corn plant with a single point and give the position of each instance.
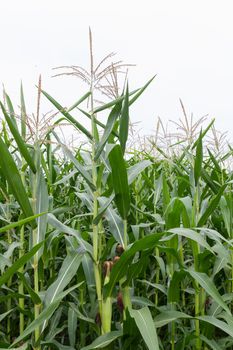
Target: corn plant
(102, 248)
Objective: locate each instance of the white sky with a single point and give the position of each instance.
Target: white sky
(187, 43)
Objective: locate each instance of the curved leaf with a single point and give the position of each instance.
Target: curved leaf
(103, 340)
(146, 327)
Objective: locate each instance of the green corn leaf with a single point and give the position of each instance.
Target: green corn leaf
(211, 343)
(169, 316)
(23, 113)
(124, 121)
(108, 129)
(208, 180)
(34, 296)
(198, 159)
(44, 315)
(138, 93)
(115, 222)
(120, 269)
(203, 133)
(104, 340)
(217, 323)
(136, 169)
(72, 326)
(120, 181)
(25, 346)
(11, 174)
(215, 161)
(2, 316)
(80, 100)
(211, 207)
(18, 139)
(103, 126)
(67, 115)
(19, 263)
(166, 317)
(146, 327)
(54, 222)
(105, 203)
(208, 285)
(76, 163)
(42, 205)
(193, 235)
(54, 344)
(20, 223)
(67, 271)
(112, 103)
(11, 109)
(174, 287)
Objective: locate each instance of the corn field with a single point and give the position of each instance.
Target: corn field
(105, 248)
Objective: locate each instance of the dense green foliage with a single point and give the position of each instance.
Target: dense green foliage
(101, 248)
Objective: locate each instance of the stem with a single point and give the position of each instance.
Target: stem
(96, 240)
(125, 238)
(196, 251)
(126, 291)
(21, 289)
(173, 334)
(36, 289)
(107, 307)
(181, 251)
(157, 277)
(35, 261)
(8, 306)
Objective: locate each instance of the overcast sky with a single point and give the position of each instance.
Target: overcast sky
(187, 43)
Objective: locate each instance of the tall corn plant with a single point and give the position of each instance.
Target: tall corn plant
(106, 249)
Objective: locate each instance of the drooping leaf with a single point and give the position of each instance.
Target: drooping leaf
(2, 316)
(11, 173)
(19, 263)
(217, 323)
(119, 269)
(146, 327)
(34, 296)
(115, 222)
(208, 285)
(103, 340)
(76, 163)
(54, 222)
(67, 271)
(166, 317)
(136, 169)
(191, 234)
(20, 222)
(44, 315)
